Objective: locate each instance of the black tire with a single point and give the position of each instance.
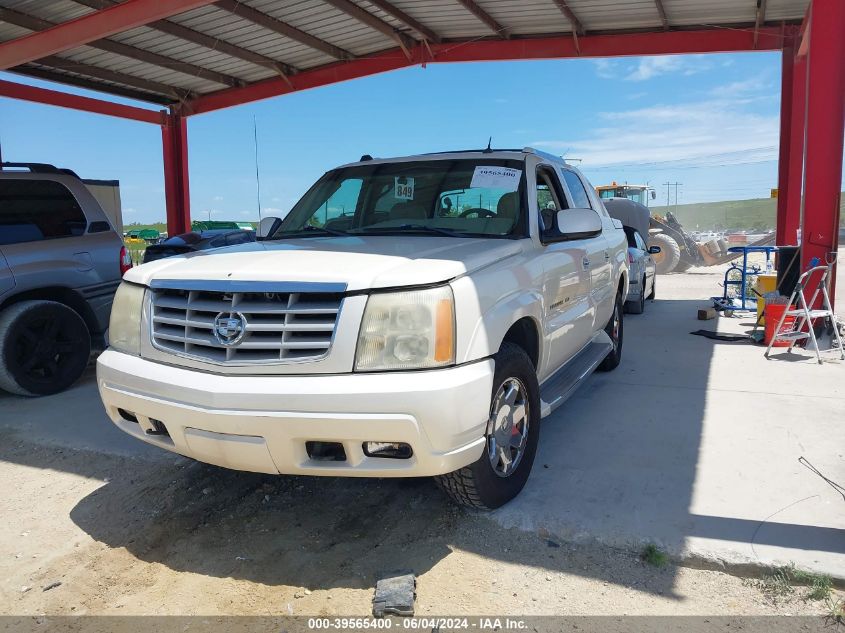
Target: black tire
(479, 485)
(637, 306)
(670, 252)
(653, 292)
(44, 348)
(617, 336)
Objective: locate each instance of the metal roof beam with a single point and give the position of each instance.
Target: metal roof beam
(91, 27)
(407, 20)
(405, 42)
(661, 10)
(282, 28)
(760, 19)
(97, 72)
(577, 27)
(37, 24)
(52, 97)
(483, 16)
(81, 82)
(183, 32)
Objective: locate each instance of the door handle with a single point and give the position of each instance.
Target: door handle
(606, 256)
(585, 262)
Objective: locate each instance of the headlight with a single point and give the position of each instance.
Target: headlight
(407, 330)
(125, 321)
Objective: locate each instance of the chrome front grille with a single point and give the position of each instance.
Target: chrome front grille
(243, 327)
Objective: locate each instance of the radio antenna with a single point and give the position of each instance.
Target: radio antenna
(489, 150)
(257, 178)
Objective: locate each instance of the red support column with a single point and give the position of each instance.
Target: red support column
(174, 139)
(825, 130)
(785, 148)
(787, 233)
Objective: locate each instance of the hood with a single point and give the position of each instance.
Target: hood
(363, 262)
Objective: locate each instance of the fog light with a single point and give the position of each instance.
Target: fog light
(391, 450)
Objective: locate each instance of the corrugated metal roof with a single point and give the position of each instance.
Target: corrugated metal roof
(211, 48)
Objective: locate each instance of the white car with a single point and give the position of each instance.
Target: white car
(409, 317)
(642, 270)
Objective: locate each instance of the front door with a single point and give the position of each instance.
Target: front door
(566, 279)
(602, 293)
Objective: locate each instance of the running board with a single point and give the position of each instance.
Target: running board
(562, 384)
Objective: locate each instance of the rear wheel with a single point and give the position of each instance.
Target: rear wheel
(513, 430)
(615, 331)
(44, 348)
(670, 252)
(637, 306)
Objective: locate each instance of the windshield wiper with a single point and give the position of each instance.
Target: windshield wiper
(314, 230)
(415, 228)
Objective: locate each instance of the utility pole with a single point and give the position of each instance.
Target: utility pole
(668, 198)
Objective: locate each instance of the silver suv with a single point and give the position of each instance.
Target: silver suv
(61, 261)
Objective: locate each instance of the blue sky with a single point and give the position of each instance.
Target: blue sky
(707, 121)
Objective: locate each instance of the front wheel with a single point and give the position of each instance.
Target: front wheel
(615, 331)
(513, 430)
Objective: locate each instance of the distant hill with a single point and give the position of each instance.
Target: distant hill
(758, 213)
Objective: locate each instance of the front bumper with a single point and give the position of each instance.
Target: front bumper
(262, 423)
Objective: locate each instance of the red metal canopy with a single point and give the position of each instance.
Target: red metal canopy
(196, 56)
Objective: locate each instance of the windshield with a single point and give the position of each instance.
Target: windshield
(461, 198)
(637, 195)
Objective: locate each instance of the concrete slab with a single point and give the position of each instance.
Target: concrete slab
(694, 444)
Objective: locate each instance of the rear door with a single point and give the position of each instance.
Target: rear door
(42, 234)
(7, 279)
(598, 252)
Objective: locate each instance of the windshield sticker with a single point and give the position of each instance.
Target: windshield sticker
(403, 188)
(505, 178)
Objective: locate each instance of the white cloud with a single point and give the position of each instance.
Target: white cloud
(650, 67)
(129, 210)
(605, 68)
(711, 132)
(217, 198)
(745, 87)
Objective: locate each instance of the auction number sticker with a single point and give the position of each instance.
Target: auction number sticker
(489, 177)
(403, 188)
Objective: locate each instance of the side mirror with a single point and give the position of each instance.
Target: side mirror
(574, 224)
(653, 250)
(653, 194)
(267, 226)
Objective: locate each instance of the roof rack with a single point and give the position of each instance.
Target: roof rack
(476, 150)
(39, 168)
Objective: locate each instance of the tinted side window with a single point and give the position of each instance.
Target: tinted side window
(640, 242)
(33, 210)
(579, 195)
(549, 200)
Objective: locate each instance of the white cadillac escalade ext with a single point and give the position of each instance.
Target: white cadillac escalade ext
(409, 317)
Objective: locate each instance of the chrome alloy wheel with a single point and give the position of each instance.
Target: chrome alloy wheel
(507, 434)
(616, 327)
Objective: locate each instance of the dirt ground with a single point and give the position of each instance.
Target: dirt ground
(125, 535)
